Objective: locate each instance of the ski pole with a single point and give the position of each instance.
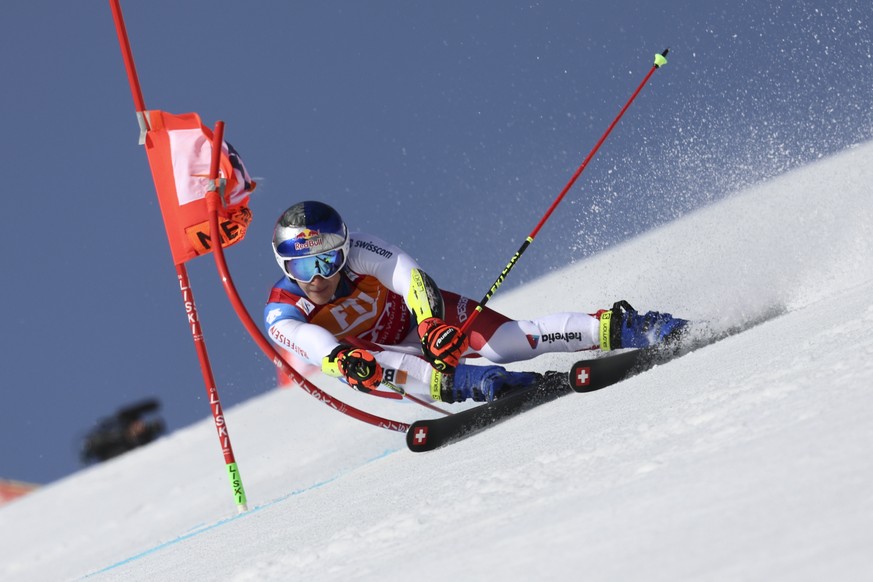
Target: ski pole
(660, 61)
(400, 390)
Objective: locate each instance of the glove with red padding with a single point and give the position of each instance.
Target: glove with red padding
(358, 366)
(442, 344)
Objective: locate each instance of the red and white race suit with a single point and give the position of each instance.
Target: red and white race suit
(370, 306)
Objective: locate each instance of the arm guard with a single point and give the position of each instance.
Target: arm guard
(424, 298)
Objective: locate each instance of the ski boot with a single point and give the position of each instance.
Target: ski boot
(623, 327)
(479, 383)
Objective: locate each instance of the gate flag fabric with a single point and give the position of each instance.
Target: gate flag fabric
(179, 149)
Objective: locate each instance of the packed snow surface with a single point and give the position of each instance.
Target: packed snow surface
(745, 460)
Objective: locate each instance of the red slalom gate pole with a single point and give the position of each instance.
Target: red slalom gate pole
(127, 55)
(660, 60)
(213, 202)
(233, 474)
(185, 285)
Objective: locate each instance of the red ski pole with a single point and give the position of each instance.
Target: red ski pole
(660, 60)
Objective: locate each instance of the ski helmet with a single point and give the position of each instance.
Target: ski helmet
(310, 239)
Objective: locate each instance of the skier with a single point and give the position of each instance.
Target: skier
(362, 310)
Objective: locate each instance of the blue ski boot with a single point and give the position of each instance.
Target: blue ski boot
(480, 383)
(623, 327)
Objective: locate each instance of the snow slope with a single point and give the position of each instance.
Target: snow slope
(746, 460)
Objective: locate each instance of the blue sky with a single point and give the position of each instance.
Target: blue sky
(447, 128)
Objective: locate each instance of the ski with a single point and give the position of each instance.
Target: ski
(596, 373)
(599, 372)
(426, 435)
(586, 375)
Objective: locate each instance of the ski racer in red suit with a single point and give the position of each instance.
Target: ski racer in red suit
(343, 292)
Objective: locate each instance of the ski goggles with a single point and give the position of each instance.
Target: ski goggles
(324, 265)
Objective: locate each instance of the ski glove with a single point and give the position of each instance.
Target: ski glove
(357, 366)
(442, 344)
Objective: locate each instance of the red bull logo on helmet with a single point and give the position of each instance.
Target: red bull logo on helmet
(307, 239)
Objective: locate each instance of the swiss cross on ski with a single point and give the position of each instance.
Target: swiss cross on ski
(421, 435)
(583, 376)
